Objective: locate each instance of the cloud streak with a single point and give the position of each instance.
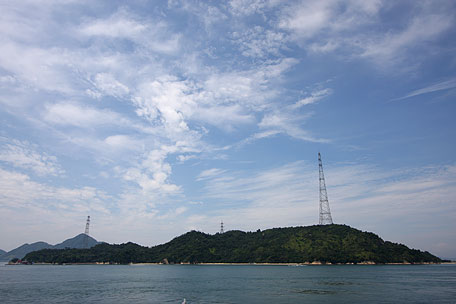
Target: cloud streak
(441, 86)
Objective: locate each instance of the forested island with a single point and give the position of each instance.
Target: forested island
(326, 244)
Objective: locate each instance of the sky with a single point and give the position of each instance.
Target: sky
(156, 118)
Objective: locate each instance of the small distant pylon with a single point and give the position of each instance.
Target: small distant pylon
(87, 225)
(86, 233)
(221, 227)
(325, 213)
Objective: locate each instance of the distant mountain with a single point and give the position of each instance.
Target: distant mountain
(2, 252)
(21, 251)
(77, 242)
(325, 244)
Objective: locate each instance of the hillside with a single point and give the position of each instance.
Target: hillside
(327, 244)
(23, 250)
(2, 252)
(77, 242)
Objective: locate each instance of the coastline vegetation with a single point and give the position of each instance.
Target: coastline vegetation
(327, 244)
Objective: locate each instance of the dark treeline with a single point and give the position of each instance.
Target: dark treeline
(327, 244)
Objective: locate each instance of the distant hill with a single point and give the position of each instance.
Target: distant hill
(77, 242)
(2, 252)
(326, 244)
(21, 251)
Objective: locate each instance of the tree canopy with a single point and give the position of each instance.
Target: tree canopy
(326, 244)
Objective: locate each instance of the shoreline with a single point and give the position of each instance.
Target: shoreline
(249, 264)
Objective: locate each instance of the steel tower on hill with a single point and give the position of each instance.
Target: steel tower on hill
(86, 233)
(221, 228)
(325, 213)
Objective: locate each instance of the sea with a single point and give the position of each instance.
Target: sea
(227, 284)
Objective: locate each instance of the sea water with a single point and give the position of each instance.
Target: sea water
(227, 284)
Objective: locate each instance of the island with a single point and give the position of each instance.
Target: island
(318, 244)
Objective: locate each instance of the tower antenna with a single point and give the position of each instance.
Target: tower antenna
(325, 213)
(86, 233)
(221, 227)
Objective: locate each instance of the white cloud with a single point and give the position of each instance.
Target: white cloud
(252, 89)
(213, 15)
(287, 123)
(173, 213)
(308, 17)
(313, 98)
(259, 42)
(184, 158)
(444, 85)
(264, 188)
(224, 117)
(265, 134)
(351, 28)
(74, 114)
(124, 142)
(209, 173)
(224, 100)
(24, 155)
(235, 87)
(119, 25)
(107, 84)
(326, 46)
(421, 29)
(167, 102)
(152, 175)
(210, 15)
(286, 120)
(124, 25)
(249, 7)
(7, 80)
(19, 191)
(45, 69)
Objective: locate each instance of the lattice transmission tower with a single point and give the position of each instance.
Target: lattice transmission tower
(221, 228)
(86, 233)
(325, 212)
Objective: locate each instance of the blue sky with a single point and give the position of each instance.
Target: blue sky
(156, 118)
